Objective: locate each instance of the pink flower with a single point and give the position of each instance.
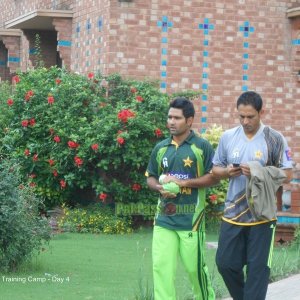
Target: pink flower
(139, 98)
(125, 114)
(73, 144)
(213, 198)
(136, 187)
(158, 132)
(54, 172)
(25, 123)
(56, 139)
(32, 122)
(103, 197)
(10, 102)
(78, 161)
(133, 90)
(121, 141)
(57, 81)
(35, 157)
(15, 79)
(63, 184)
(95, 147)
(51, 162)
(50, 100)
(26, 152)
(28, 95)
(90, 75)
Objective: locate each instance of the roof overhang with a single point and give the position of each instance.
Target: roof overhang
(293, 12)
(10, 32)
(40, 19)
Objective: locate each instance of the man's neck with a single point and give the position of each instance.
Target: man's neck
(179, 139)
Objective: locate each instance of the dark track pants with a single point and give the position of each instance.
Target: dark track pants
(246, 245)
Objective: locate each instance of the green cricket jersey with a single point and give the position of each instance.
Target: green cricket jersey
(191, 159)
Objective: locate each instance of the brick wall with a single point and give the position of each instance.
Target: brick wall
(201, 45)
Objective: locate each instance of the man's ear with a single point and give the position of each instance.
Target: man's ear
(189, 121)
(262, 111)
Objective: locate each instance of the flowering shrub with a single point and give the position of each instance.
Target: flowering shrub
(83, 135)
(93, 219)
(215, 196)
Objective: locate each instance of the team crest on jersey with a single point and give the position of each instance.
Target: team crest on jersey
(258, 154)
(288, 154)
(165, 162)
(187, 162)
(235, 154)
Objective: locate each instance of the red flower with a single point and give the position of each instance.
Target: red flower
(35, 157)
(32, 122)
(73, 144)
(21, 186)
(56, 139)
(133, 90)
(78, 161)
(125, 114)
(10, 102)
(63, 184)
(139, 98)
(213, 198)
(121, 141)
(54, 172)
(28, 95)
(158, 132)
(32, 175)
(95, 147)
(51, 162)
(103, 197)
(91, 75)
(50, 100)
(32, 184)
(51, 130)
(24, 123)
(26, 152)
(136, 187)
(15, 79)
(57, 81)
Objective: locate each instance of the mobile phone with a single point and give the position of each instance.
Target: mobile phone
(236, 165)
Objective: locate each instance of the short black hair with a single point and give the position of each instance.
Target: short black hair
(250, 98)
(185, 104)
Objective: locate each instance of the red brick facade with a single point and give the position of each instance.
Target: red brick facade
(221, 47)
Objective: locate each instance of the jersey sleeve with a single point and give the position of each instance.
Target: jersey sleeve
(286, 161)
(152, 168)
(220, 157)
(208, 155)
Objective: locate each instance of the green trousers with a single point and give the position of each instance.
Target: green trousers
(189, 245)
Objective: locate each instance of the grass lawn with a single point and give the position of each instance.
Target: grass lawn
(86, 267)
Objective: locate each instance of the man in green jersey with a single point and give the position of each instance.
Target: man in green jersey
(186, 159)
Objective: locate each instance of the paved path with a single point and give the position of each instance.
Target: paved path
(285, 289)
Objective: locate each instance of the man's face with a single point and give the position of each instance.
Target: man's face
(249, 118)
(177, 123)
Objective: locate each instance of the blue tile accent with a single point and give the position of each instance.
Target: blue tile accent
(244, 88)
(163, 85)
(164, 51)
(246, 29)
(203, 130)
(245, 67)
(245, 77)
(204, 108)
(164, 24)
(63, 43)
(288, 219)
(295, 42)
(100, 23)
(203, 120)
(205, 64)
(14, 59)
(246, 45)
(163, 62)
(205, 43)
(204, 75)
(204, 97)
(204, 86)
(32, 51)
(2, 63)
(205, 53)
(163, 74)
(164, 40)
(245, 55)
